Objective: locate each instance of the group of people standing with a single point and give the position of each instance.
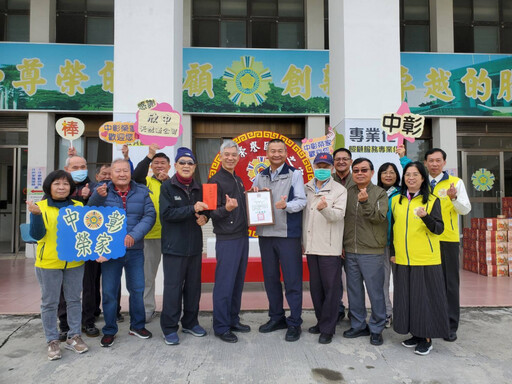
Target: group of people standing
(338, 218)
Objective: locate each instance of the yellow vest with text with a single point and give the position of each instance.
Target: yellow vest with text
(414, 243)
(47, 247)
(450, 216)
(154, 186)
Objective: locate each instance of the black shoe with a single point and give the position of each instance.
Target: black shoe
(228, 337)
(271, 326)
(120, 318)
(63, 335)
(143, 333)
(353, 333)
(293, 333)
(341, 316)
(91, 330)
(376, 339)
(243, 328)
(325, 338)
(452, 337)
(107, 340)
(315, 329)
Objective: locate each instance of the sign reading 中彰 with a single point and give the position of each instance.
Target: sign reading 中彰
(85, 233)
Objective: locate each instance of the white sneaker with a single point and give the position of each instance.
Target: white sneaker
(54, 350)
(76, 344)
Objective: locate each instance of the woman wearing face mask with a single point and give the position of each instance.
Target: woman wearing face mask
(388, 178)
(420, 305)
(53, 273)
(322, 241)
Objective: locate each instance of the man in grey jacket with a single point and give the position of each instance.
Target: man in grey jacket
(280, 244)
(365, 236)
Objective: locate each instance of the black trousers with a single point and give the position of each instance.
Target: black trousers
(450, 264)
(324, 285)
(91, 297)
(182, 289)
(282, 254)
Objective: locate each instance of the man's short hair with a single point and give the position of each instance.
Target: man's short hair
(120, 161)
(342, 150)
(434, 150)
(360, 160)
(273, 141)
(163, 155)
(68, 159)
(229, 144)
(99, 167)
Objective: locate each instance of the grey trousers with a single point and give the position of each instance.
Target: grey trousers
(370, 269)
(152, 257)
(51, 281)
(388, 268)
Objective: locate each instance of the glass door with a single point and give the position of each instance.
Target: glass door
(483, 176)
(13, 178)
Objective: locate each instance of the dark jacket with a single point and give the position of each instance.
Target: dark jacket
(77, 195)
(181, 235)
(140, 212)
(229, 225)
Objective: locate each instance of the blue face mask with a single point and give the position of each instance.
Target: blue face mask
(322, 174)
(79, 176)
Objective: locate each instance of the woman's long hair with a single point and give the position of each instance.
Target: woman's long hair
(425, 186)
(383, 168)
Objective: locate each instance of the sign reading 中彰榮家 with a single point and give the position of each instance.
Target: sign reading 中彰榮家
(85, 233)
(160, 125)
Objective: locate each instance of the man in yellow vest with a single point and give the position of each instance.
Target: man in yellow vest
(160, 166)
(454, 201)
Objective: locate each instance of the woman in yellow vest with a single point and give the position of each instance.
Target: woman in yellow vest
(52, 272)
(419, 300)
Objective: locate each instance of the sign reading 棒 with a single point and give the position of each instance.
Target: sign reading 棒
(70, 128)
(85, 233)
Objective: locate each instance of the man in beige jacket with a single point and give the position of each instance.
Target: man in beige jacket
(322, 241)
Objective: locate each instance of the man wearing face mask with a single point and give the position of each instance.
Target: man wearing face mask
(76, 166)
(322, 225)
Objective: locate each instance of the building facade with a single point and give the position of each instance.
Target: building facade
(367, 43)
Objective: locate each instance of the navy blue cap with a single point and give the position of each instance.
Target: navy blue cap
(184, 151)
(324, 157)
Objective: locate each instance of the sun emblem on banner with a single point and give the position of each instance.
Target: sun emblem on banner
(256, 166)
(93, 219)
(247, 81)
(483, 180)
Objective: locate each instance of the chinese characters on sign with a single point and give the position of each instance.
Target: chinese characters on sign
(118, 133)
(85, 233)
(318, 145)
(403, 124)
(160, 125)
(70, 128)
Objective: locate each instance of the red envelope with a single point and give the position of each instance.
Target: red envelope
(210, 195)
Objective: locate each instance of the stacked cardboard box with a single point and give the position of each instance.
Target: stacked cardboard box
(506, 206)
(487, 250)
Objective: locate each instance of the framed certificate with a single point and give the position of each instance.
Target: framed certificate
(259, 208)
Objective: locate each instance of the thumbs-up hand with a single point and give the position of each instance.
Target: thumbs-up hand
(421, 212)
(201, 219)
(281, 204)
(102, 190)
(362, 195)
(452, 192)
(231, 203)
(85, 192)
(33, 208)
(321, 204)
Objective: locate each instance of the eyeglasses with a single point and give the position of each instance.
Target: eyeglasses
(338, 159)
(363, 170)
(191, 163)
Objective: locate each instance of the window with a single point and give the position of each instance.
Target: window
(414, 26)
(248, 23)
(482, 26)
(14, 20)
(85, 21)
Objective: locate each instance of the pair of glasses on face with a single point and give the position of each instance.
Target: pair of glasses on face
(364, 170)
(190, 163)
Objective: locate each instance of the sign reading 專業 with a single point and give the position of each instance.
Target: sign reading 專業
(85, 233)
